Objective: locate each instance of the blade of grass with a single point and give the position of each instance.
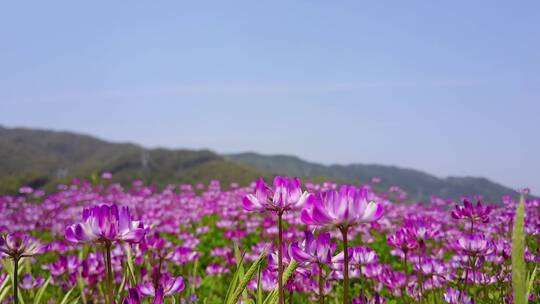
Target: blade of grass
(234, 281)
(130, 266)
(41, 290)
(530, 281)
(237, 256)
(272, 298)
(247, 277)
(66, 296)
(260, 298)
(5, 292)
(519, 270)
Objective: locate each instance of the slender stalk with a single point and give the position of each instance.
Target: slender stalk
(16, 280)
(404, 288)
(420, 274)
(291, 297)
(110, 286)
(344, 232)
(280, 258)
(321, 284)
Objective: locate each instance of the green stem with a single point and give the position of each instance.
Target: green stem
(16, 280)
(110, 286)
(344, 232)
(404, 288)
(321, 284)
(280, 258)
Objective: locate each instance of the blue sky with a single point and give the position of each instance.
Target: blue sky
(451, 89)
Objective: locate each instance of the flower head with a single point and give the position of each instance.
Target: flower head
(133, 297)
(474, 213)
(106, 224)
(474, 244)
(348, 207)
(168, 286)
(313, 250)
(403, 239)
(28, 282)
(285, 195)
(19, 245)
(453, 296)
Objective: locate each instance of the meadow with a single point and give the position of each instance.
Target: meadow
(99, 242)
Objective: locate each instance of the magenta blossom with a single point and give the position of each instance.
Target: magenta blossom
(478, 213)
(28, 282)
(285, 195)
(453, 296)
(20, 245)
(474, 244)
(403, 239)
(313, 250)
(348, 207)
(133, 297)
(169, 286)
(106, 224)
(359, 256)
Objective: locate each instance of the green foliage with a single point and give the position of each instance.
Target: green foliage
(272, 298)
(41, 290)
(519, 268)
(241, 282)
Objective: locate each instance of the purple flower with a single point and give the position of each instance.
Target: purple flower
(453, 296)
(216, 269)
(133, 297)
(313, 250)
(169, 286)
(28, 282)
(474, 213)
(348, 207)
(106, 224)
(359, 256)
(65, 265)
(474, 244)
(19, 245)
(285, 195)
(403, 239)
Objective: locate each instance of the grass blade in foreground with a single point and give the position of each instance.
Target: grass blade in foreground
(272, 298)
(247, 277)
(519, 270)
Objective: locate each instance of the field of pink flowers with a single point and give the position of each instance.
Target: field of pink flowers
(102, 243)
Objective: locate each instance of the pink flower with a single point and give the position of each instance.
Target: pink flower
(313, 250)
(106, 224)
(348, 207)
(285, 195)
(474, 213)
(19, 245)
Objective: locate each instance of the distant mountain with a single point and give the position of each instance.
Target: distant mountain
(418, 184)
(43, 158)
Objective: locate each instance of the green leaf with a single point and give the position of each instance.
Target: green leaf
(519, 270)
(530, 281)
(41, 290)
(234, 281)
(247, 277)
(5, 291)
(237, 256)
(21, 299)
(260, 298)
(66, 297)
(272, 298)
(76, 300)
(121, 287)
(130, 266)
